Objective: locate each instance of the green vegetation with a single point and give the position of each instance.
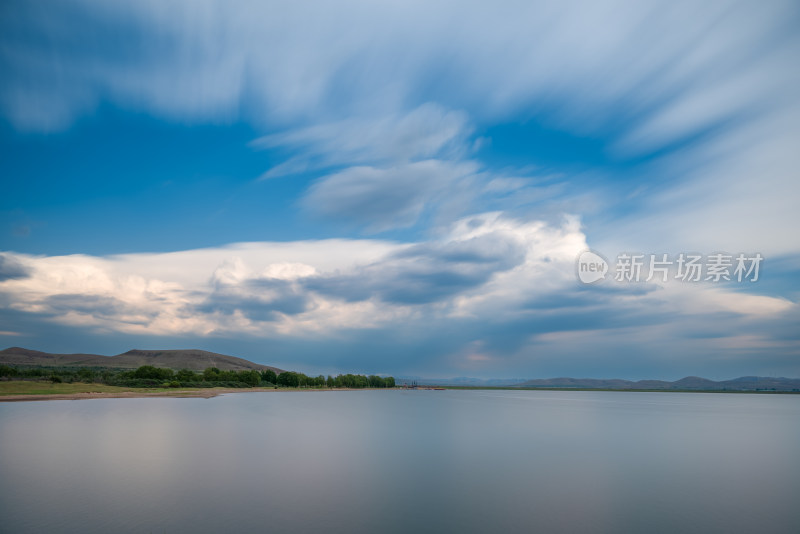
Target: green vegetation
(30, 387)
(148, 376)
(290, 379)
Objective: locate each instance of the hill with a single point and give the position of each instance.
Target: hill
(195, 360)
(745, 383)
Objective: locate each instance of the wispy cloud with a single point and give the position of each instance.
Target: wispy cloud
(423, 133)
(380, 112)
(714, 100)
(384, 198)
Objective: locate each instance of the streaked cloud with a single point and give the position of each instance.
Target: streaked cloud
(381, 199)
(376, 115)
(422, 133)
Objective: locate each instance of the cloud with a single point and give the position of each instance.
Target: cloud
(489, 290)
(427, 131)
(256, 298)
(501, 284)
(10, 268)
(258, 289)
(391, 168)
(697, 104)
(427, 273)
(735, 194)
(208, 61)
(380, 199)
(712, 105)
(101, 306)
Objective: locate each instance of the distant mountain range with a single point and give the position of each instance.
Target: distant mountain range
(745, 383)
(195, 360)
(461, 381)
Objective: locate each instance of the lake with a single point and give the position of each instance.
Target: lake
(403, 461)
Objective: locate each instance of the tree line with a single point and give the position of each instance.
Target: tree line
(150, 376)
(292, 379)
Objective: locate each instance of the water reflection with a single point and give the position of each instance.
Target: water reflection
(392, 461)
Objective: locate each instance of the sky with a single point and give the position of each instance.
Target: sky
(405, 188)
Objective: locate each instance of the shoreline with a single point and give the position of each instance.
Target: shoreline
(207, 393)
(626, 390)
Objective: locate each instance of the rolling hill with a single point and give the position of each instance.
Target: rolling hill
(745, 383)
(195, 360)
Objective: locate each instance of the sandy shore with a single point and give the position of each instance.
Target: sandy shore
(182, 394)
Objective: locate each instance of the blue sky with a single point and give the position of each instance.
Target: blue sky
(401, 188)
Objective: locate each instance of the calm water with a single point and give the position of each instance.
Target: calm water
(393, 461)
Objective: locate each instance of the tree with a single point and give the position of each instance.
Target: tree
(289, 379)
(225, 376)
(153, 373)
(86, 375)
(251, 378)
(211, 374)
(185, 375)
(389, 381)
(269, 376)
(376, 382)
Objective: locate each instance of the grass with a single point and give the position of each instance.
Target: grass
(31, 387)
(27, 387)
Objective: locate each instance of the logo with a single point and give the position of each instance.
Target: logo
(591, 267)
(718, 268)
